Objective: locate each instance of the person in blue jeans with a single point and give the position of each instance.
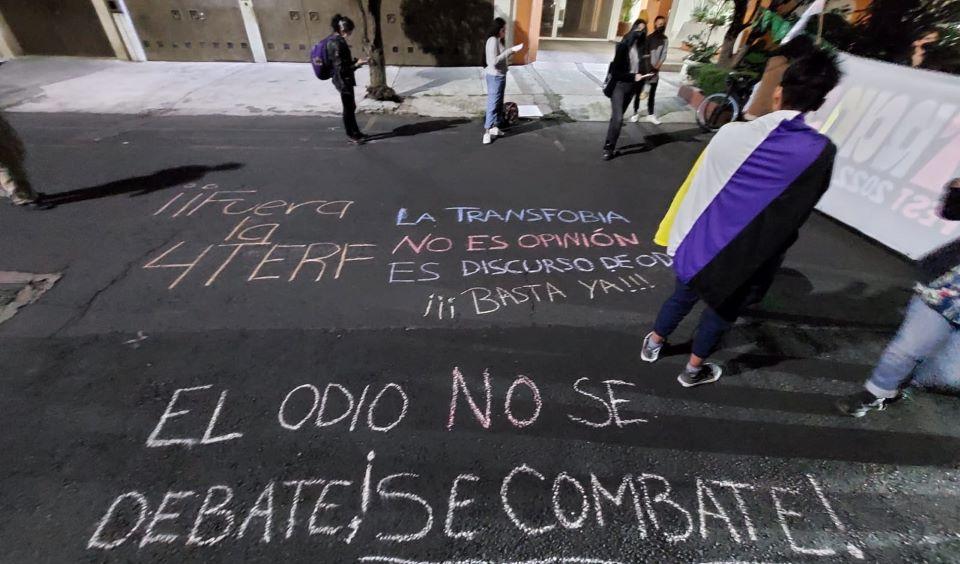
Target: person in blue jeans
(931, 322)
(498, 61)
(714, 322)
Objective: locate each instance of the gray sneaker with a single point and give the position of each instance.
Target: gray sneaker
(861, 403)
(707, 374)
(650, 352)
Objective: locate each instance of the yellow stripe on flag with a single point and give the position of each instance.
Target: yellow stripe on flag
(662, 237)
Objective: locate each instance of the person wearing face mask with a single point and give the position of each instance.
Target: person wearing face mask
(657, 46)
(625, 79)
(931, 322)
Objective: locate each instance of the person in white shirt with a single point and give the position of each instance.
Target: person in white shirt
(498, 61)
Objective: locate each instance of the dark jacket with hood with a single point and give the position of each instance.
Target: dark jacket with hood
(620, 67)
(344, 64)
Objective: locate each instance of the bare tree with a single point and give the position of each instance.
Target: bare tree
(378, 88)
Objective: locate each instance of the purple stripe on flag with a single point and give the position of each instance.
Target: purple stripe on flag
(786, 152)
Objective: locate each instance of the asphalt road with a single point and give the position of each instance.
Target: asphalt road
(268, 345)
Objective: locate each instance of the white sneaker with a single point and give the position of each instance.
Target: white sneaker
(487, 138)
(495, 132)
(649, 352)
(653, 119)
(635, 118)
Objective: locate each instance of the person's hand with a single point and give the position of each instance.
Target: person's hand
(517, 48)
(638, 77)
(362, 61)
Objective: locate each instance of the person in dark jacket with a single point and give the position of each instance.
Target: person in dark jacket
(627, 73)
(14, 182)
(344, 66)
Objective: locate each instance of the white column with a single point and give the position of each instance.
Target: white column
(614, 19)
(128, 32)
(253, 31)
(110, 29)
(9, 46)
(680, 13)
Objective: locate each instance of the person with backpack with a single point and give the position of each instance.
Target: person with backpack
(498, 61)
(332, 60)
(625, 78)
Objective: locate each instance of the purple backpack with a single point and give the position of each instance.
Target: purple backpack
(320, 59)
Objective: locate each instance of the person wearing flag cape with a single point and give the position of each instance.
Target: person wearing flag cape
(740, 209)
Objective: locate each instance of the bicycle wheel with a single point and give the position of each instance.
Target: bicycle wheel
(717, 110)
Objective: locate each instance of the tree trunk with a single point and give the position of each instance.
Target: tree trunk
(378, 88)
(737, 25)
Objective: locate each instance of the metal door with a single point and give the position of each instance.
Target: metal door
(290, 28)
(191, 30)
(55, 27)
(435, 32)
(399, 49)
(283, 26)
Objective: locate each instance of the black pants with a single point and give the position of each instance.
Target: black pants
(349, 101)
(619, 102)
(650, 98)
(13, 173)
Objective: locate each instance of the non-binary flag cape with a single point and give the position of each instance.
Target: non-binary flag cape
(744, 202)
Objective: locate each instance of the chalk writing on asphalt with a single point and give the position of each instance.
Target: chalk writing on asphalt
(361, 505)
(252, 244)
(508, 258)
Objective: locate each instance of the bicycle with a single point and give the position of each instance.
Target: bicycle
(717, 110)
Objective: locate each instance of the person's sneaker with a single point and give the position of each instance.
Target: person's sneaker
(357, 139)
(635, 118)
(653, 119)
(487, 138)
(650, 351)
(608, 154)
(19, 200)
(861, 403)
(495, 132)
(707, 374)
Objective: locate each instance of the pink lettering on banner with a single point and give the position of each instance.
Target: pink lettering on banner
(945, 165)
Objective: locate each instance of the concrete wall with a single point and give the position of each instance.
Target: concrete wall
(436, 32)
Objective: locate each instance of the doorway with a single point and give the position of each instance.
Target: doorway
(577, 19)
(197, 30)
(55, 27)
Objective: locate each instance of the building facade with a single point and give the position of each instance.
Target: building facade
(414, 32)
